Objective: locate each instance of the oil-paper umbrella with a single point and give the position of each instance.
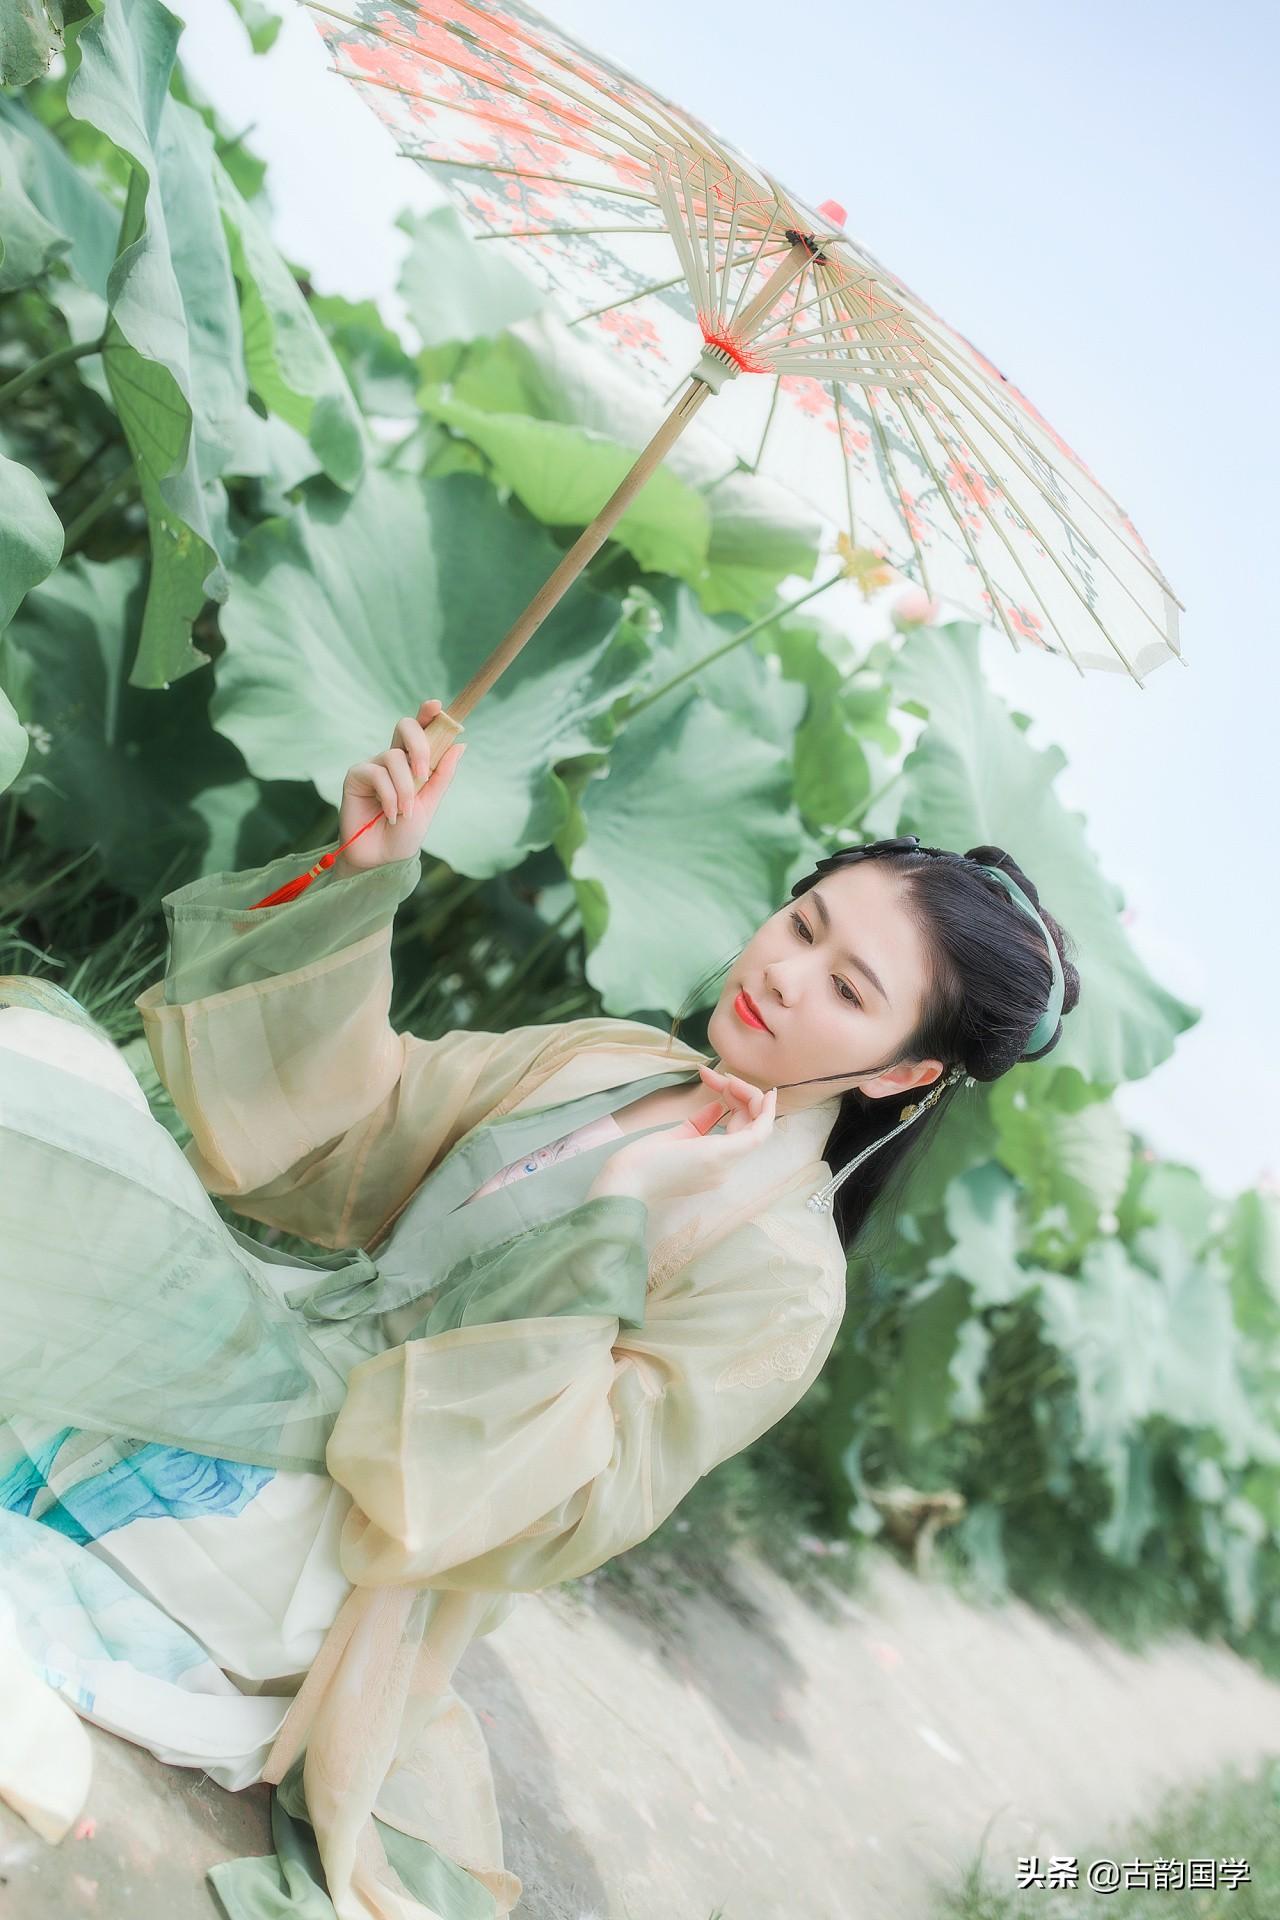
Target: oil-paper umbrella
(856, 394)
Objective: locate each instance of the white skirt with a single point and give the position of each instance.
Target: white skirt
(172, 1598)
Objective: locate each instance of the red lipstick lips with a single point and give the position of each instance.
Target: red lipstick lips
(745, 1008)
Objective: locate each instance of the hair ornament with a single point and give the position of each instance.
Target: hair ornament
(820, 1199)
(1047, 1025)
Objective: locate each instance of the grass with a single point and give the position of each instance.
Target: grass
(1233, 1817)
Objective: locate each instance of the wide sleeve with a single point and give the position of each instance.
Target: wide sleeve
(516, 1455)
(270, 1030)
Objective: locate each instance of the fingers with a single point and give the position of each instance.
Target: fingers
(411, 739)
(748, 1134)
(450, 761)
(745, 1130)
(397, 779)
(742, 1093)
(396, 761)
(372, 778)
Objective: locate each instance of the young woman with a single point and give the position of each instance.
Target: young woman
(253, 1508)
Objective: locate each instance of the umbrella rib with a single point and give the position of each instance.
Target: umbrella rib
(526, 233)
(700, 289)
(845, 462)
(947, 359)
(523, 173)
(899, 500)
(824, 332)
(1053, 626)
(886, 454)
(676, 227)
(512, 64)
(486, 114)
(801, 277)
(711, 231)
(777, 386)
(965, 449)
(1050, 551)
(660, 135)
(705, 269)
(672, 123)
(674, 116)
(847, 465)
(981, 400)
(657, 286)
(774, 401)
(485, 80)
(981, 405)
(730, 244)
(818, 367)
(611, 306)
(765, 237)
(870, 319)
(907, 413)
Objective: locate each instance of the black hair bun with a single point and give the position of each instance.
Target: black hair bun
(997, 857)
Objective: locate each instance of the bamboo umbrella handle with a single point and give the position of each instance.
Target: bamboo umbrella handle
(443, 730)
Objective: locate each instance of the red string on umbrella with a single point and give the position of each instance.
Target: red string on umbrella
(292, 888)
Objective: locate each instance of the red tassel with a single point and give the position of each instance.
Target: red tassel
(292, 888)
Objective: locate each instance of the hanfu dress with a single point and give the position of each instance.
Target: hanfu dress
(253, 1508)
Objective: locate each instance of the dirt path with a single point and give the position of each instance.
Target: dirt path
(758, 1758)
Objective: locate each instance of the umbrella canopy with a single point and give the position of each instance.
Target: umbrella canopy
(659, 238)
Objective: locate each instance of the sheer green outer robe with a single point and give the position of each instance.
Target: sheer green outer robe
(512, 1392)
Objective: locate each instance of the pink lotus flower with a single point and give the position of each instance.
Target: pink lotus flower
(915, 608)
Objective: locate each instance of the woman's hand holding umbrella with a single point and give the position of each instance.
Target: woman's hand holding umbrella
(398, 792)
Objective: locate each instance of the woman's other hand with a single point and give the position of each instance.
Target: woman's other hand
(682, 1159)
(398, 791)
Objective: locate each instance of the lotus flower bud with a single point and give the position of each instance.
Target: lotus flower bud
(914, 608)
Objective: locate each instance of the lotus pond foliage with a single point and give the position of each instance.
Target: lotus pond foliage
(244, 526)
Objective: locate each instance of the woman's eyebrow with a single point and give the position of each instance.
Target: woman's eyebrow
(852, 958)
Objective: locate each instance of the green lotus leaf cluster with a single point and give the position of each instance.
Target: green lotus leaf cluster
(244, 527)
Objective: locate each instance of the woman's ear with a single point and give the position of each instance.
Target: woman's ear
(901, 1079)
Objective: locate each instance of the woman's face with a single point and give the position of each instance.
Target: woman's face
(839, 993)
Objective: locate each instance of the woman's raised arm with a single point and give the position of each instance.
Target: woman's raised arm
(271, 1032)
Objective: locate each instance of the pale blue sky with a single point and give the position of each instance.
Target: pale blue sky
(1088, 195)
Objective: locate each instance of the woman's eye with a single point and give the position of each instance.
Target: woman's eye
(801, 926)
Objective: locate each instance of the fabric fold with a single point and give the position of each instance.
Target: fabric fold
(507, 1395)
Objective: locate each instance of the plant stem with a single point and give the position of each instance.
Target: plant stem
(78, 527)
(38, 368)
(736, 640)
(616, 561)
(10, 826)
(66, 485)
(852, 819)
(480, 1016)
(392, 461)
(429, 925)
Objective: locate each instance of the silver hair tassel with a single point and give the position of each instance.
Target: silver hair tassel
(820, 1199)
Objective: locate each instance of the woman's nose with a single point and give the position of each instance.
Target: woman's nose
(772, 987)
